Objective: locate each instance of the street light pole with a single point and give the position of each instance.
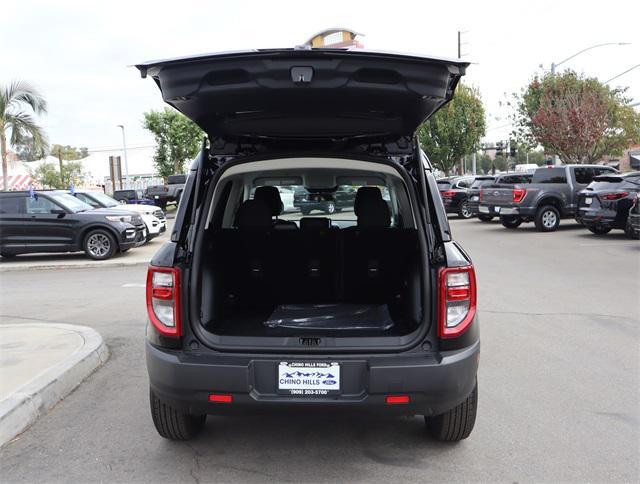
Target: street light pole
(556, 64)
(126, 162)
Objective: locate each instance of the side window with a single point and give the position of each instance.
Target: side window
(83, 198)
(12, 205)
(550, 175)
(464, 183)
(603, 171)
(40, 205)
(584, 176)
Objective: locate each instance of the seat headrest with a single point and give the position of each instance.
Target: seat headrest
(315, 223)
(271, 197)
(372, 211)
(253, 214)
(366, 196)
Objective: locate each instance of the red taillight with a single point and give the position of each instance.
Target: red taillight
(518, 194)
(481, 194)
(448, 194)
(613, 196)
(219, 398)
(397, 399)
(163, 300)
(458, 300)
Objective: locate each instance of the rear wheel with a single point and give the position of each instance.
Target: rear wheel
(599, 230)
(173, 424)
(330, 208)
(510, 221)
(485, 218)
(457, 423)
(99, 244)
(464, 212)
(547, 219)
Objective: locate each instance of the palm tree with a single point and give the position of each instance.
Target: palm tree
(17, 119)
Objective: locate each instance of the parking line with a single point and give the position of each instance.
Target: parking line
(134, 285)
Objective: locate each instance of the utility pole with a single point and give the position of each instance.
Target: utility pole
(126, 162)
(60, 162)
(459, 44)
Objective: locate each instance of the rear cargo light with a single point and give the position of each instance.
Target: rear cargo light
(613, 196)
(518, 194)
(220, 398)
(458, 300)
(397, 399)
(448, 194)
(163, 300)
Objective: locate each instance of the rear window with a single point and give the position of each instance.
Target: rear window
(444, 185)
(550, 175)
(514, 179)
(482, 183)
(176, 179)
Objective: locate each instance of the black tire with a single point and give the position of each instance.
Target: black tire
(7, 255)
(330, 208)
(510, 221)
(99, 244)
(547, 219)
(464, 212)
(599, 230)
(629, 231)
(305, 211)
(173, 424)
(457, 423)
(485, 218)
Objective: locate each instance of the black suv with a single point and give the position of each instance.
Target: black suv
(251, 309)
(55, 221)
(327, 201)
(455, 194)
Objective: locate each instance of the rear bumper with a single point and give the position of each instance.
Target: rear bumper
(599, 218)
(435, 383)
(497, 210)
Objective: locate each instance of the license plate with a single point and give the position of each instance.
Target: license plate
(483, 209)
(474, 198)
(497, 209)
(587, 201)
(309, 378)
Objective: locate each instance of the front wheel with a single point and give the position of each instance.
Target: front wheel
(173, 424)
(547, 219)
(510, 221)
(599, 230)
(99, 244)
(464, 212)
(330, 208)
(457, 423)
(485, 218)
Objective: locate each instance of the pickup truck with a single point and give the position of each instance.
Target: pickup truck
(168, 193)
(551, 195)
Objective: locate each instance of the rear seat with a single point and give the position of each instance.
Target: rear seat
(264, 266)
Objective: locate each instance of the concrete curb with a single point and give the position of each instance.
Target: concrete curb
(11, 267)
(23, 407)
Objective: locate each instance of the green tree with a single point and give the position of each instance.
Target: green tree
(19, 101)
(576, 117)
(455, 130)
(49, 174)
(178, 139)
(69, 153)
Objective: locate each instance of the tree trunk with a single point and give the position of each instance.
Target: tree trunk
(3, 150)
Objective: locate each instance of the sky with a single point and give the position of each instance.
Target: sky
(79, 53)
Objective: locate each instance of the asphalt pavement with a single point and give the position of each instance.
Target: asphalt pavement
(558, 383)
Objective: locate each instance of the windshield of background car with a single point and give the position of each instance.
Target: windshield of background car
(70, 202)
(482, 183)
(105, 199)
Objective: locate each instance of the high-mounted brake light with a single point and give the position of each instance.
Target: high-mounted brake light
(614, 196)
(397, 399)
(448, 194)
(518, 194)
(163, 300)
(458, 300)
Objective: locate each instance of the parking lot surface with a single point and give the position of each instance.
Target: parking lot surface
(558, 382)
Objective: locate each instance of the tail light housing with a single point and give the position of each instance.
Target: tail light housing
(518, 194)
(481, 194)
(448, 194)
(613, 196)
(164, 300)
(458, 300)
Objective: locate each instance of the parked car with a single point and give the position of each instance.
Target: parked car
(54, 221)
(499, 181)
(246, 314)
(152, 216)
(551, 195)
(136, 197)
(633, 220)
(606, 202)
(455, 194)
(327, 200)
(171, 192)
(473, 196)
